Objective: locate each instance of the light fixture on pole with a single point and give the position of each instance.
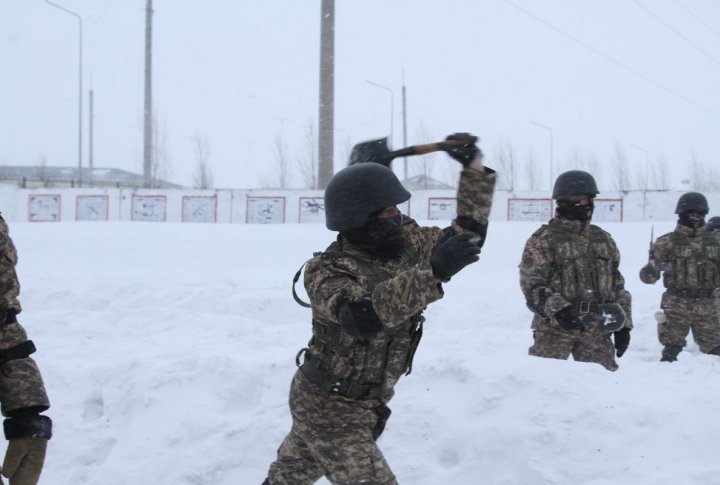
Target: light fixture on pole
(551, 149)
(80, 89)
(392, 106)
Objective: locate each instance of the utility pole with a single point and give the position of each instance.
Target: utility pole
(404, 121)
(147, 132)
(80, 76)
(91, 121)
(326, 120)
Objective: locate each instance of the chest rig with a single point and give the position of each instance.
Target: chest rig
(337, 363)
(583, 267)
(695, 264)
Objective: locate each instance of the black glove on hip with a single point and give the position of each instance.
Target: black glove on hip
(452, 254)
(358, 319)
(622, 341)
(568, 319)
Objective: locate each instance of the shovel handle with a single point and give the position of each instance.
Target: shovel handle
(426, 148)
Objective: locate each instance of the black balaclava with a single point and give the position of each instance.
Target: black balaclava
(379, 237)
(573, 211)
(692, 219)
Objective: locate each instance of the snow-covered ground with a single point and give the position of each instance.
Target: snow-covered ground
(167, 351)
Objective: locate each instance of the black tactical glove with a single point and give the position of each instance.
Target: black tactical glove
(465, 152)
(452, 254)
(651, 269)
(358, 320)
(568, 319)
(622, 340)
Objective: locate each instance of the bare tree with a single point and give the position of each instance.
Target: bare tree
(280, 178)
(42, 172)
(308, 159)
(506, 162)
(202, 177)
(160, 163)
(659, 173)
(532, 170)
(620, 179)
(592, 165)
(704, 178)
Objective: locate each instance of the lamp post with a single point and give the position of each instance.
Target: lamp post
(646, 176)
(551, 149)
(392, 106)
(80, 89)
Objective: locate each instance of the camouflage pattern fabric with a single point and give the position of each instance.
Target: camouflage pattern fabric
(21, 384)
(333, 435)
(566, 263)
(692, 259)
(9, 284)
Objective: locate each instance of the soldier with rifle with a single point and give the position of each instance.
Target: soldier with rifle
(367, 292)
(688, 259)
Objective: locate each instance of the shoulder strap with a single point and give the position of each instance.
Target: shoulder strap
(294, 293)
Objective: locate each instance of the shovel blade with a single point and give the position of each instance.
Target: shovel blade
(375, 151)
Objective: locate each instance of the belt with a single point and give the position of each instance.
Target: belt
(343, 387)
(691, 292)
(583, 307)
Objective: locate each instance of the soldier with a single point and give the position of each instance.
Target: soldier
(689, 260)
(22, 393)
(368, 290)
(570, 278)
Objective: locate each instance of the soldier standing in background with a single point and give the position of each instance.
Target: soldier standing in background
(689, 260)
(22, 393)
(713, 225)
(367, 292)
(569, 274)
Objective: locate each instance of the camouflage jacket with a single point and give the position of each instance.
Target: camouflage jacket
(690, 259)
(399, 290)
(570, 263)
(21, 384)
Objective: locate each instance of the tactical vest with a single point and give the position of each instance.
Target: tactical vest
(388, 354)
(694, 266)
(583, 267)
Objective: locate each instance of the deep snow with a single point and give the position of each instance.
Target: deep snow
(167, 351)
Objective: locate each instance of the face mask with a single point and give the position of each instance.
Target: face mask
(692, 219)
(573, 211)
(379, 237)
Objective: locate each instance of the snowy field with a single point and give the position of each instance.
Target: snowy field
(168, 349)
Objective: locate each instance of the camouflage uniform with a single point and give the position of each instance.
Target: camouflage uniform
(692, 259)
(339, 396)
(22, 392)
(572, 263)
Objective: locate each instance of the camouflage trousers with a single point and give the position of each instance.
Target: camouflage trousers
(327, 440)
(590, 345)
(684, 314)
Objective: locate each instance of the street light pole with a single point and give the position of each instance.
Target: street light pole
(646, 176)
(551, 149)
(80, 88)
(392, 107)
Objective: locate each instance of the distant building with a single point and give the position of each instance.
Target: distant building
(423, 182)
(42, 176)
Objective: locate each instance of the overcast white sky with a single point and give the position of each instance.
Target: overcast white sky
(642, 74)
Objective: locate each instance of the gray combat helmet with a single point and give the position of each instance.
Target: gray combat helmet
(574, 185)
(692, 201)
(357, 191)
(713, 224)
